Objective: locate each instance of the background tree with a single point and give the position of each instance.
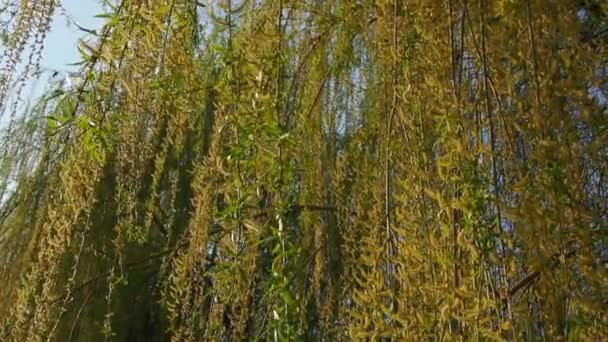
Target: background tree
(311, 170)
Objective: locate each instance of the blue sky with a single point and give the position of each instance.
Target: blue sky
(60, 46)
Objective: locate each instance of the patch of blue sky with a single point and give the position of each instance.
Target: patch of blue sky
(60, 51)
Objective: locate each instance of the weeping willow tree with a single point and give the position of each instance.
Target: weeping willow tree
(309, 170)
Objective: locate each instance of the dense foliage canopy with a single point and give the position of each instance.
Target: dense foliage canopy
(424, 170)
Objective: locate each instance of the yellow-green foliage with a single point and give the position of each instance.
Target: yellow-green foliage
(311, 170)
